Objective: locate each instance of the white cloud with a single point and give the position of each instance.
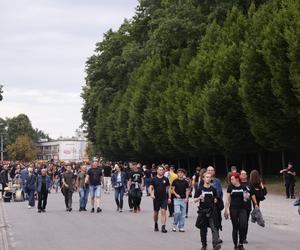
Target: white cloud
(43, 49)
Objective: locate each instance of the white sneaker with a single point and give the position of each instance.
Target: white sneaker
(181, 230)
(174, 229)
(29, 207)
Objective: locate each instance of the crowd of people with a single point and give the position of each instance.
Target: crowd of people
(170, 190)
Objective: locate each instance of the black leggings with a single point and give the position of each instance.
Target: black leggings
(239, 224)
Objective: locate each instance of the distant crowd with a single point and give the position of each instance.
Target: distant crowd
(169, 188)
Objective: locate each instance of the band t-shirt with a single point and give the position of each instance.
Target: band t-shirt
(237, 196)
(208, 194)
(136, 176)
(95, 176)
(180, 187)
(160, 187)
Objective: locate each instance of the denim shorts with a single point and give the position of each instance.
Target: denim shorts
(95, 191)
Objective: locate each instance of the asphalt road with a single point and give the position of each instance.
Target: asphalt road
(110, 230)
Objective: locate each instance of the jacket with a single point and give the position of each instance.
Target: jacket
(256, 216)
(123, 180)
(4, 176)
(31, 183)
(39, 183)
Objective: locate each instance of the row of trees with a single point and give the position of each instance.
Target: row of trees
(193, 78)
(20, 138)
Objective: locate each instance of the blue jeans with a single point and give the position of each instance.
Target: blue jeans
(179, 212)
(119, 194)
(83, 195)
(95, 191)
(31, 200)
(147, 184)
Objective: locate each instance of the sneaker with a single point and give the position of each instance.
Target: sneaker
(217, 247)
(156, 227)
(130, 210)
(67, 209)
(93, 210)
(181, 230)
(204, 248)
(241, 247)
(80, 209)
(236, 247)
(84, 209)
(39, 211)
(174, 229)
(99, 210)
(245, 242)
(186, 216)
(121, 210)
(70, 209)
(163, 229)
(220, 241)
(43, 210)
(29, 207)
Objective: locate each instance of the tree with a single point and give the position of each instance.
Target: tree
(23, 149)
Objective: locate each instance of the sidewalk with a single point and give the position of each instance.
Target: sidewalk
(3, 236)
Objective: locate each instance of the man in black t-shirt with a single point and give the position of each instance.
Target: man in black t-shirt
(159, 189)
(181, 192)
(94, 179)
(206, 195)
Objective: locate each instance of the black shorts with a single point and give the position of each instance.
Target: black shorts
(160, 204)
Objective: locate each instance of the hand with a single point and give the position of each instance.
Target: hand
(177, 196)
(169, 201)
(152, 196)
(226, 215)
(186, 200)
(256, 206)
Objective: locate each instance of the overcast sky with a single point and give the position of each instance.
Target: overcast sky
(44, 45)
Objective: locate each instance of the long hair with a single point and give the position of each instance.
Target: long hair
(255, 178)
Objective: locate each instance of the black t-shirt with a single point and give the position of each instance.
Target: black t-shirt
(209, 194)
(289, 177)
(95, 176)
(160, 187)
(180, 187)
(136, 176)
(237, 196)
(147, 173)
(250, 190)
(107, 171)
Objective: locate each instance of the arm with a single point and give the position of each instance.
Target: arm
(129, 184)
(283, 170)
(227, 205)
(187, 193)
(143, 183)
(64, 182)
(152, 192)
(253, 197)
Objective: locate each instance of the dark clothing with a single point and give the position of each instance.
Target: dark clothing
(119, 194)
(259, 193)
(30, 183)
(69, 180)
(136, 176)
(160, 204)
(4, 176)
(107, 171)
(238, 218)
(208, 197)
(160, 187)
(68, 193)
(237, 196)
(42, 198)
(43, 181)
(95, 176)
(180, 187)
(290, 189)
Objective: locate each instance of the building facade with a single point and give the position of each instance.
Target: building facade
(63, 149)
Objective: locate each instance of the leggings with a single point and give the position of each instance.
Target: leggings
(239, 224)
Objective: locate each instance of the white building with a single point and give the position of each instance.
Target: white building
(64, 149)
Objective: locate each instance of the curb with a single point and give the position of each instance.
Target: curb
(3, 225)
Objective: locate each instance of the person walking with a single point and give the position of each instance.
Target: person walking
(30, 187)
(236, 206)
(107, 171)
(181, 193)
(83, 188)
(119, 183)
(147, 173)
(94, 178)
(159, 189)
(172, 176)
(68, 181)
(43, 188)
(136, 186)
(289, 174)
(260, 191)
(206, 195)
(4, 178)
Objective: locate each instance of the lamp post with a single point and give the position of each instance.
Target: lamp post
(2, 141)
